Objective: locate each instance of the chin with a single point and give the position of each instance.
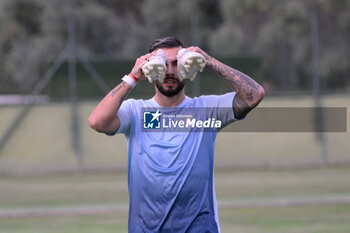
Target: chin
(170, 92)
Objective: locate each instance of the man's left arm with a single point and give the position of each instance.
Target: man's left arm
(248, 92)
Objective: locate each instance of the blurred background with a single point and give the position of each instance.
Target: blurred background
(58, 58)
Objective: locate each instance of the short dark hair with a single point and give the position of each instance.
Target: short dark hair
(166, 42)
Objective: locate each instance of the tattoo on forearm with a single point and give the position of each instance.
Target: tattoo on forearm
(248, 92)
(117, 89)
(246, 88)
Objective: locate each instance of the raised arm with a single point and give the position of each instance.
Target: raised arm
(249, 93)
(104, 117)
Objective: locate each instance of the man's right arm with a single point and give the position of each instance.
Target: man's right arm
(104, 117)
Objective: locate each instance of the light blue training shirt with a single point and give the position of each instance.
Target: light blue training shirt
(171, 173)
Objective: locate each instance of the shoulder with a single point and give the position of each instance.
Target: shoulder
(215, 100)
(136, 102)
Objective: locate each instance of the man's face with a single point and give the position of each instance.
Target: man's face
(171, 85)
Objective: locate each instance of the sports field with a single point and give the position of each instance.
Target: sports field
(303, 200)
(37, 195)
(42, 141)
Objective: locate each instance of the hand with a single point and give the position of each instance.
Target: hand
(137, 69)
(199, 50)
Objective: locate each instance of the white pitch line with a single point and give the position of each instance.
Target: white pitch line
(63, 211)
(123, 208)
(284, 202)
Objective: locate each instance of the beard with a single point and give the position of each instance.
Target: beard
(170, 92)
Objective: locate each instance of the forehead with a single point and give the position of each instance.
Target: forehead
(171, 53)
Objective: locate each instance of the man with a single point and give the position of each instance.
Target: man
(170, 174)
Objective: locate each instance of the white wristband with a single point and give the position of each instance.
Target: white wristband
(129, 80)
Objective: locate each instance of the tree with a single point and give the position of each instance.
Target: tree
(33, 32)
(279, 31)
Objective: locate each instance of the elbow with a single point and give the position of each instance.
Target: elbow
(94, 124)
(259, 96)
(102, 126)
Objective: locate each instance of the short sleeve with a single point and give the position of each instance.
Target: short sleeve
(220, 107)
(125, 116)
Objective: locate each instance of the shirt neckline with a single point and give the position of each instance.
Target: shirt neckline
(153, 100)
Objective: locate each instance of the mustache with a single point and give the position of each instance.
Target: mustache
(174, 78)
(171, 76)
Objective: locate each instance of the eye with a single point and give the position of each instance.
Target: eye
(172, 63)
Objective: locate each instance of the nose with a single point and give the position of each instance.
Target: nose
(170, 69)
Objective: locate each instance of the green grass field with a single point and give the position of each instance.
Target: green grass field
(306, 219)
(235, 187)
(250, 201)
(42, 142)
